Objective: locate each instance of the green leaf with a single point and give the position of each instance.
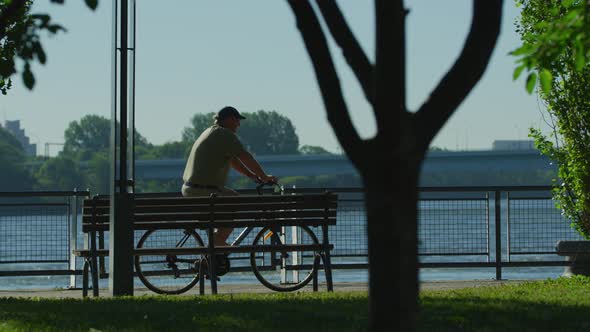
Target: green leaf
(580, 58)
(517, 72)
(524, 49)
(531, 81)
(40, 52)
(44, 18)
(572, 15)
(92, 4)
(546, 80)
(567, 3)
(54, 28)
(28, 78)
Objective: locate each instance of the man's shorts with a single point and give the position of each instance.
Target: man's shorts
(221, 191)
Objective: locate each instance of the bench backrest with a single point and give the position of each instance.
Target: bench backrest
(230, 211)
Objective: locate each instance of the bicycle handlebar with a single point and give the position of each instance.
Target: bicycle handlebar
(261, 184)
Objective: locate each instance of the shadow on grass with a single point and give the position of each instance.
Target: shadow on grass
(540, 307)
(209, 313)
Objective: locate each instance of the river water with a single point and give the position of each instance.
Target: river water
(456, 227)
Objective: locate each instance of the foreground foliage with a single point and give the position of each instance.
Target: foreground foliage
(20, 39)
(556, 49)
(552, 305)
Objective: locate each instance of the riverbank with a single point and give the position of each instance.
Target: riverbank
(257, 288)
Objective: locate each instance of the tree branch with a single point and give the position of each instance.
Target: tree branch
(317, 48)
(351, 50)
(465, 73)
(7, 15)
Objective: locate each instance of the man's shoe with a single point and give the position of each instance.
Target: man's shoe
(222, 264)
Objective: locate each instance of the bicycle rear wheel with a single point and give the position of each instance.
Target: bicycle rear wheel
(169, 274)
(284, 271)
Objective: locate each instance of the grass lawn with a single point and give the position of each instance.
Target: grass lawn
(552, 305)
(562, 304)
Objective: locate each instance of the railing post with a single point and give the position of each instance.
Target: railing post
(211, 244)
(297, 259)
(326, 245)
(508, 226)
(94, 263)
(488, 225)
(283, 263)
(73, 236)
(498, 234)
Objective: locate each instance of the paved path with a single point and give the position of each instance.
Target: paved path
(257, 288)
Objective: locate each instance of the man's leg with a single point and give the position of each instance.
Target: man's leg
(221, 234)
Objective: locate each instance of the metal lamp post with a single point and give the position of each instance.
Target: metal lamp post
(122, 148)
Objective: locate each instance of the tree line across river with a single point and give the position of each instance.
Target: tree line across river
(87, 143)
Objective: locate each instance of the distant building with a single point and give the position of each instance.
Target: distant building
(513, 145)
(14, 128)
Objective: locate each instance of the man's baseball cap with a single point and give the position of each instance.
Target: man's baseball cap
(227, 112)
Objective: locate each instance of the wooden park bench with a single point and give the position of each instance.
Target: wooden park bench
(189, 214)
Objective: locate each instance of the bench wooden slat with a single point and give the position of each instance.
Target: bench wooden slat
(229, 249)
(87, 227)
(205, 250)
(221, 207)
(87, 253)
(206, 216)
(221, 199)
(244, 199)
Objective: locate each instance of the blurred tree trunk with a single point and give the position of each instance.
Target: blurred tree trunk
(390, 162)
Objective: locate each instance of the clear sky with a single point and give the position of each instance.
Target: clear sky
(195, 56)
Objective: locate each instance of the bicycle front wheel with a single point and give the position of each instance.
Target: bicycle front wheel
(169, 274)
(284, 271)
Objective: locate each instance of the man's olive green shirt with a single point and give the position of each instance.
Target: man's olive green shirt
(210, 157)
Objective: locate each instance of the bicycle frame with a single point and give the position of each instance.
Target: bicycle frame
(247, 230)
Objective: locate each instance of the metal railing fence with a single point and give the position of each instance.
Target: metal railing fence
(457, 227)
(488, 226)
(38, 230)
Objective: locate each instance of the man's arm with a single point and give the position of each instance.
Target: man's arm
(237, 164)
(248, 161)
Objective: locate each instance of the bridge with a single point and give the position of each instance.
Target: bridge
(308, 165)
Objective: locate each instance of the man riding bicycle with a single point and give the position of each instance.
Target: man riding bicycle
(211, 156)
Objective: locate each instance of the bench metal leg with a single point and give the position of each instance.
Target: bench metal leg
(212, 264)
(328, 271)
(202, 277)
(326, 257)
(94, 269)
(85, 278)
(316, 266)
(212, 274)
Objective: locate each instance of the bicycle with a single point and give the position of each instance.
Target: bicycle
(278, 271)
